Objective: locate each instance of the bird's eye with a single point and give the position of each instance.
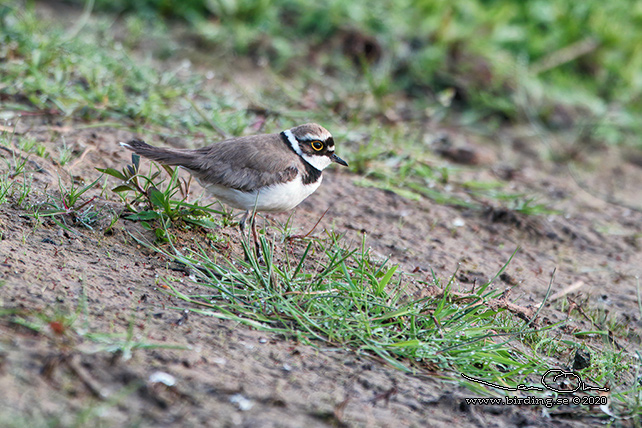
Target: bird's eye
(317, 145)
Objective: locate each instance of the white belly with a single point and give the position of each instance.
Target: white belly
(277, 198)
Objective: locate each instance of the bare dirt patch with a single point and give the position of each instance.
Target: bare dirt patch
(89, 334)
(227, 374)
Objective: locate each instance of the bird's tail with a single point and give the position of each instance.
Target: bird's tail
(165, 156)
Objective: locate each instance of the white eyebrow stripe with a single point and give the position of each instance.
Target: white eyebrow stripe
(311, 137)
(293, 142)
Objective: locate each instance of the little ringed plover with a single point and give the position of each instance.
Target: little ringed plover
(268, 172)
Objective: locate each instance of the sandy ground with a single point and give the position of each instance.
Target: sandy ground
(228, 374)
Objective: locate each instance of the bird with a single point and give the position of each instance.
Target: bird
(256, 173)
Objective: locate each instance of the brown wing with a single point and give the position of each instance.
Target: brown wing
(244, 163)
(247, 163)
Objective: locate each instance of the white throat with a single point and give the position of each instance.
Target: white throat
(319, 162)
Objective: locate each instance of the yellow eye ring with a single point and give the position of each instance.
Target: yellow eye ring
(317, 145)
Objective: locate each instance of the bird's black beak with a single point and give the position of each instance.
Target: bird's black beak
(337, 159)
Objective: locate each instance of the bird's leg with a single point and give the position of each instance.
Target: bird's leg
(254, 234)
(252, 220)
(243, 220)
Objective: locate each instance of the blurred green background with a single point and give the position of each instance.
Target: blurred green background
(561, 63)
(562, 60)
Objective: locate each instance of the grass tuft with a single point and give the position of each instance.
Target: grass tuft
(331, 295)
